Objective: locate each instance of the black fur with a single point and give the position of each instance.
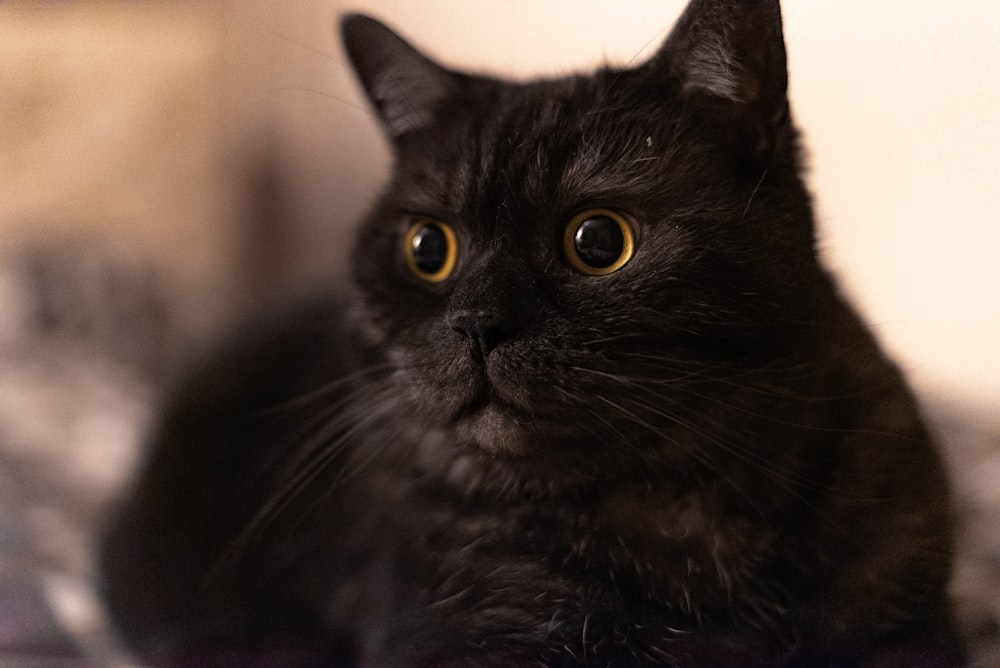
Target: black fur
(701, 459)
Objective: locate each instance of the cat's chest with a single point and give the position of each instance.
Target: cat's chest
(693, 551)
(689, 548)
(458, 528)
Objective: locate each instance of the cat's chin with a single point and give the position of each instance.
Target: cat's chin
(497, 432)
(493, 430)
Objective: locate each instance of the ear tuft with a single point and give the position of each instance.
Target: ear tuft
(405, 87)
(711, 68)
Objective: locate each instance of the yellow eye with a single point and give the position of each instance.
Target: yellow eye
(431, 250)
(598, 242)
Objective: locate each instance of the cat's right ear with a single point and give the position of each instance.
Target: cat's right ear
(729, 58)
(405, 87)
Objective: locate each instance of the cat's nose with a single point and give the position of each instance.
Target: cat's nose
(484, 328)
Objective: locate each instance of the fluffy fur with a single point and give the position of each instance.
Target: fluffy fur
(701, 459)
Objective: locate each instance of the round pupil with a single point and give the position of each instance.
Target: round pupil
(430, 249)
(599, 241)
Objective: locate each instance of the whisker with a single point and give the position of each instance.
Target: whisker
(316, 449)
(753, 194)
(788, 478)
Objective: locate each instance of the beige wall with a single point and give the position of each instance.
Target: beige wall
(111, 119)
(898, 100)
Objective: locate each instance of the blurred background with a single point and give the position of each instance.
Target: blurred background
(162, 163)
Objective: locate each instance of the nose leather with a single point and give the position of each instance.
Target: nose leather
(492, 302)
(484, 328)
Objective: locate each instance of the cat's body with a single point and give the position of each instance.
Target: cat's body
(502, 445)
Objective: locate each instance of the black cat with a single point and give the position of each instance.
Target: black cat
(588, 399)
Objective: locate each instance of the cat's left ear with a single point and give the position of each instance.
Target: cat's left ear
(729, 58)
(405, 87)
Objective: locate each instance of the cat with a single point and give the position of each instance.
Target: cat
(587, 398)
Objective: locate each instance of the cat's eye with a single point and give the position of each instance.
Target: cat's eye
(598, 242)
(431, 250)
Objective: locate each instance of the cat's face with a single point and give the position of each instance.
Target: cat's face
(559, 264)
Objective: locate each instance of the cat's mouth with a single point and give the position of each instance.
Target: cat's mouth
(498, 423)
(494, 429)
(486, 399)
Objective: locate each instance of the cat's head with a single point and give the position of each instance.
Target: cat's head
(556, 264)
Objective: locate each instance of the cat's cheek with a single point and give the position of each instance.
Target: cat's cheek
(370, 328)
(436, 389)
